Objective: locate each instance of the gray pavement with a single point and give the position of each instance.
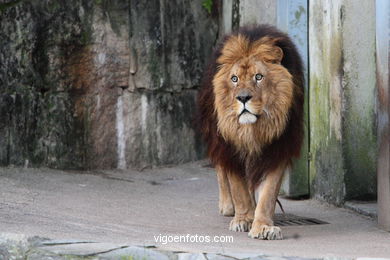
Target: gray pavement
(129, 208)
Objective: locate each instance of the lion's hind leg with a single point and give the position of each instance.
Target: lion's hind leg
(263, 226)
(226, 206)
(243, 204)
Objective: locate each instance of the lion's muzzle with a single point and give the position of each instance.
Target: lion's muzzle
(247, 118)
(245, 113)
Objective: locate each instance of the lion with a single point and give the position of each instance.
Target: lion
(250, 111)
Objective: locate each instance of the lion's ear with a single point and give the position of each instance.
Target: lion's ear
(234, 49)
(277, 54)
(267, 50)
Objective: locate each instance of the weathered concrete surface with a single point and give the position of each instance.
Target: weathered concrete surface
(292, 18)
(36, 248)
(342, 99)
(255, 12)
(236, 13)
(359, 92)
(131, 207)
(327, 164)
(162, 134)
(69, 70)
(368, 208)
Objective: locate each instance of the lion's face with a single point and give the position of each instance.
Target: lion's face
(253, 93)
(247, 77)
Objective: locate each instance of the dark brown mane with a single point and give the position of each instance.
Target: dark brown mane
(282, 149)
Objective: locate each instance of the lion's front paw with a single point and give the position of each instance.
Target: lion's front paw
(265, 232)
(226, 208)
(240, 224)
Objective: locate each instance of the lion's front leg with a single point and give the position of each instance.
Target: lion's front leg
(263, 226)
(243, 204)
(226, 207)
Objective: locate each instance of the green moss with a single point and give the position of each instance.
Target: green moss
(318, 119)
(325, 119)
(154, 68)
(299, 13)
(326, 165)
(5, 6)
(86, 36)
(299, 181)
(207, 4)
(53, 6)
(360, 146)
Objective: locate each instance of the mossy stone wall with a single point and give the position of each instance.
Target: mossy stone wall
(101, 84)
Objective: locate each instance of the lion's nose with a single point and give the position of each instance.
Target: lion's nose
(243, 97)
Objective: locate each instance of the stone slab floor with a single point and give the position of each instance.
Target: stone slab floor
(132, 207)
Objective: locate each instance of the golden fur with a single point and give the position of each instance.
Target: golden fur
(251, 116)
(271, 97)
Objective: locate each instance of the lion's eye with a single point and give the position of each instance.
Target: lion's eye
(258, 77)
(234, 78)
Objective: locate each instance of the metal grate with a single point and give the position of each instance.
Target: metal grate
(292, 220)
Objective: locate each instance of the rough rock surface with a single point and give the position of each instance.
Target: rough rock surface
(36, 248)
(101, 84)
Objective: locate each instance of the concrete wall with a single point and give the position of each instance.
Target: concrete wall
(237, 13)
(341, 92)
(258, 12)
(101, 84)
(342, 99)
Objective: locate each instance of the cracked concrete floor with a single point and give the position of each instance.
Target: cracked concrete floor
(134, 206)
